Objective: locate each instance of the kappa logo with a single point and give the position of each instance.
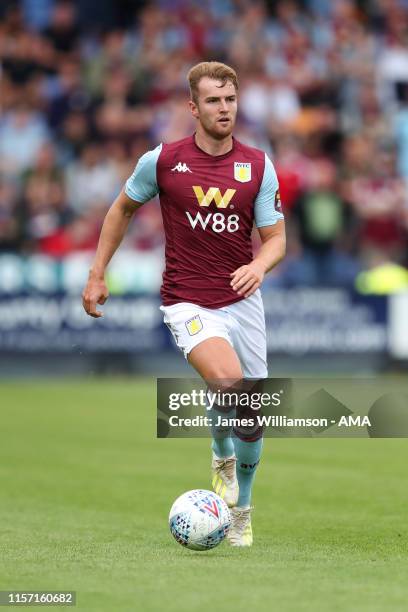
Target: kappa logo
(181, 167)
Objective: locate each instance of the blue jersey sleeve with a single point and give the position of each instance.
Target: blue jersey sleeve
(268, 209)
(142, 185)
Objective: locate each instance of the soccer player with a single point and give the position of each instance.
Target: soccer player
(212, 189)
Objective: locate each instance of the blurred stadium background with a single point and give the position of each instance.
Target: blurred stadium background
(88, 86)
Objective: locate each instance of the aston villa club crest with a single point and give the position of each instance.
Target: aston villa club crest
(242, 172)
(194, 325)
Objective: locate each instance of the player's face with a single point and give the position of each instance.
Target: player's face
(216, 107)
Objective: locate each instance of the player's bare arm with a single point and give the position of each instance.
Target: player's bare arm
(113, 230)
(247, 279)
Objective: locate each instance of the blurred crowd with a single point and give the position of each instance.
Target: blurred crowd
(87, 87)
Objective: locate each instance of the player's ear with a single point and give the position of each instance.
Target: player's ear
(194, 108)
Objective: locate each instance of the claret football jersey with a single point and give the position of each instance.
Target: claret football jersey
(209, 205)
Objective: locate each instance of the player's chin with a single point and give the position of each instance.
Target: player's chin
(223, 128)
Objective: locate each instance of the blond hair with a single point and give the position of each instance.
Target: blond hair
(213, 70)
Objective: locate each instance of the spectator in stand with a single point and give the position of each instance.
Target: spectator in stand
(62, 33)
(45, 165)
(92, 182)
(392, 65)
(400, 128)
(75, 133)
(68, 94)
(44, 208)
(379, 201)
(23, 132)
(10, 218)
(79, 234)
(323, 220)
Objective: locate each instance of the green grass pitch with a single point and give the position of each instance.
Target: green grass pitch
(85, 491)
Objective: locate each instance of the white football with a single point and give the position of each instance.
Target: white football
(199, 519)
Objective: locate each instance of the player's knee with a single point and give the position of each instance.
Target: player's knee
(227, 375)
(247, 434)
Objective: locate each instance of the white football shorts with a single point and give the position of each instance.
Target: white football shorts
(242, 324)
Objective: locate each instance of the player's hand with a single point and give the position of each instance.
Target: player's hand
(247, 279)
(95, 292)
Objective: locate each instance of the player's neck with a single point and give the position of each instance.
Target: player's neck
(211, 145)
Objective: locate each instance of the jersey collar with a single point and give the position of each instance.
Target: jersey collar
(223, 156)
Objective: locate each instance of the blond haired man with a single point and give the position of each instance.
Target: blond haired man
(212, 190)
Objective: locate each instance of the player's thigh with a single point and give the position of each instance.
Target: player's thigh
(216, 360)
(249, 335)
(203, 336)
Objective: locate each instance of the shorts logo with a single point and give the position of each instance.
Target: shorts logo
(242, 172)
(194, 325)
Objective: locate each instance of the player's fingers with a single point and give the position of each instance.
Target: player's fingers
(102, 299)
(96, 315)
(236, 278)
(247, 286)
(238, 273)
(89, 305)
(252, 289)
(92, 309)
(241, 282)
(85, 303)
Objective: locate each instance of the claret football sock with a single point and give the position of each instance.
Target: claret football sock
(248, 455)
